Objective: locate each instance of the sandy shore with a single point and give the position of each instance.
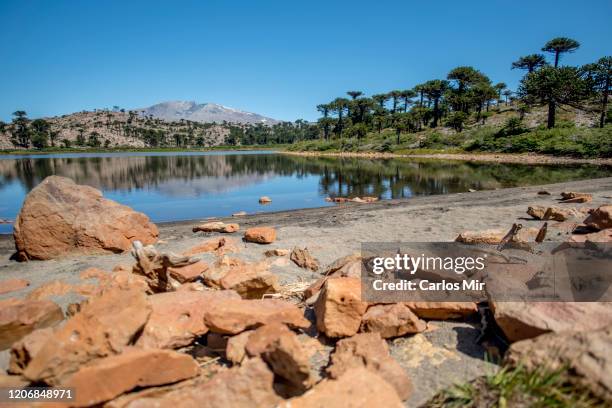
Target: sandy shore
(527, 158)
(451, 352)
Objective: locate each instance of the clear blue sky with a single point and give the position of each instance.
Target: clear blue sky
(277, 58)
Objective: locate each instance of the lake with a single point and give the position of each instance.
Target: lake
(181, 186)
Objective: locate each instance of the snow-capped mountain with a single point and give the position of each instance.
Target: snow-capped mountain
(203, 112)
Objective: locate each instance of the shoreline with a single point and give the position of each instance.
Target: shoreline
(516, 158)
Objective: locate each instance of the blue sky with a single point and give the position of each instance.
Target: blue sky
(277, 58)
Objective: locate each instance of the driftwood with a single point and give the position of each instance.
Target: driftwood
(509, 236)
(154, 265)
(542, 233)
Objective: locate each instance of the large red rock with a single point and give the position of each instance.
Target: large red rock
(233, 316)
(339, 308)
(12, 285)
(370, 351)
(60, 217)
(106, 378)
(250, 280)
(246, 386)
(260, 235)
(23, 350)
(583, 356)
(104, 326)
(188, 273)
(526, 320)
(600, 218)
(442, 310)
(281, 349)
(355, 388)
(392, 320)
(177, 318)
(20, 317)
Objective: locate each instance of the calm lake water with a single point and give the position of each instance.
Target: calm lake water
(180, 186)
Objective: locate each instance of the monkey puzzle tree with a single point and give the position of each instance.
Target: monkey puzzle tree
(560, 45)
(529, 62)
(21, 132)
(394, 96)
(464, 78)
(600, 80)
(354, 94)
(553, 86)
(339, 106)
(434, 90)
(406, 95)
(325, 122)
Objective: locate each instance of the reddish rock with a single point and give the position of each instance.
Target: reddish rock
(583, 356)
(265, 200)
(281, 349)
(59, 217)
(53, 288)
(217, 226)
(216, 244)
(355, 388)
(348, 266)
(525, 320)
(26, 348)
(442, 310)
(246, 386)
(339, 308)
(391, 321)
(600, 218)
(12, 285)
(188, 273)
(551, 213)
(235, 349)
(94, 273)
(251, 281)
(124, 372)
(234, 316)
(105, 326)
(177, 318)
(20, 317)
(276, 252)
(260, 235)
(370, 351)
(494, 236)
(302, 258)
(574, 197)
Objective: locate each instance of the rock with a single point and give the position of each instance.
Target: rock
(53, 288)
(342, 263)
(60, 217)
(251, 281)
(177, 318)
(94, 273)
(355, 388)
(281, 349)
(234, 316)
(26, 348)
(246, 386)
(600, 218)
(339, 308)
(303, 259)
(216, 244)
(12, 381)
(276, 252)
(599, 236)
(124, 372)
(260, 235)
(235, 350)
(525, 320)
(216, 226)
(12, 285)
(574, 197)
(551, 213)
(20, 317)
(391, 321)
(494, 236)
(584, 356)
(370, 351)
(105, 326)
(442, 310)
(543, 192)
(471, 190)
(188, 273)
(265, 200)
(239, 214)
(348, 266)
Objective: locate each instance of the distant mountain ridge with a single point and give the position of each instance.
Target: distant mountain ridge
(203, 112)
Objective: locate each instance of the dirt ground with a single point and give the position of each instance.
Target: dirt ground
(447, 353)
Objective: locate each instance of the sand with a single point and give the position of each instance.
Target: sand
(451, 353)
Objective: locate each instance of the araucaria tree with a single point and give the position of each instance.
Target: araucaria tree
(529, 62)
(553, 86)
(559, 46)
(599, 80)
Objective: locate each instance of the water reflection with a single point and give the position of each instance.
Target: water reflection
(219, 184)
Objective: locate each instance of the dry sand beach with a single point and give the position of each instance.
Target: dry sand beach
(446, 353)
